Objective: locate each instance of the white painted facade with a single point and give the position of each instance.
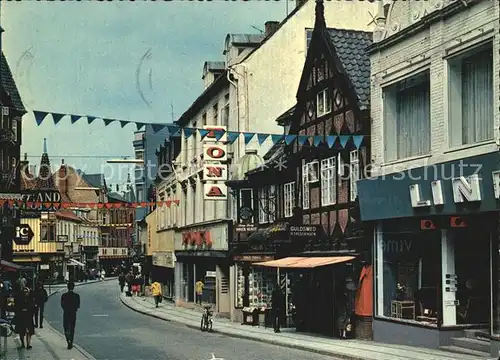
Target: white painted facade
(267, 80)
(433, 49)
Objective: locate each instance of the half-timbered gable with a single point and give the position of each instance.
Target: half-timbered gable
(332, 105)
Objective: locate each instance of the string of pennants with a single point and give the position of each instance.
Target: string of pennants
(71, 205)
(218, 134)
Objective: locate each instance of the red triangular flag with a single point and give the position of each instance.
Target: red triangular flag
(176, 202)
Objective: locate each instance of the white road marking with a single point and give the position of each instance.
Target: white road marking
(215, 358)
(99, 314)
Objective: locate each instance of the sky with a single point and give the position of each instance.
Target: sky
(84, 58)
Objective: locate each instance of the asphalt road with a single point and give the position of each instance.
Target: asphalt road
(110, 331)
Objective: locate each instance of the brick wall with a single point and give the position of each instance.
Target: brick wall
(428, 48)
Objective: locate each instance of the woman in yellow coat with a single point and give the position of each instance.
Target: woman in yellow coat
(157, 294)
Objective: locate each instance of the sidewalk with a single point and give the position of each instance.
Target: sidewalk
(346, 349)
(48, 344)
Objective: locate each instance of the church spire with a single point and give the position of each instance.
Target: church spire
(45, 179)
(44, 145)
(320, 14)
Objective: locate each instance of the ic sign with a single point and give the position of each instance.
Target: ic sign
(23, 234)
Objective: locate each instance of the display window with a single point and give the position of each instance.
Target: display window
(408, 275)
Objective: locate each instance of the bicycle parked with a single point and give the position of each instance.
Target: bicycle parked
(206, 319)
(8, 326)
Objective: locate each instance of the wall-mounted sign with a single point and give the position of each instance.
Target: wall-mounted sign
(216, 191)
(215, 133)
(215, 172)
(214, 152)
(253, 258)
(164, 259)
(304, 231)
(211, 274)
(62, 238)
(198, 239)
(245, 228)
(23, 234)
(465, 189)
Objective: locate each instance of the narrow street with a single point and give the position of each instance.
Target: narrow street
(110, 331)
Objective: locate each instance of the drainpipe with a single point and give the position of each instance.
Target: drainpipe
(232, 72)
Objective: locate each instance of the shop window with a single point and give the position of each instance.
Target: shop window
(470, 97)
(408, 275)
(261, 285)
(240, 286)
(407, 118)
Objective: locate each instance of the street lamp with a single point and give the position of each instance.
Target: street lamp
(125, 161)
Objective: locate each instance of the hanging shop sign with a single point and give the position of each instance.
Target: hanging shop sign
(164, 259)
(40, 200)
(62, 238)
(23, 234)
(214, 169)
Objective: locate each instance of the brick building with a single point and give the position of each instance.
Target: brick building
(433, 200)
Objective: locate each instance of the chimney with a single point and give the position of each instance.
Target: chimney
(62, 178)
(271, 27)
(299, 3)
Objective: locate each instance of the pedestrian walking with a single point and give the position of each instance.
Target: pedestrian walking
(199, 290)
(121, 281)
(70, 303)
(157, 293)
(41, 298)
(277, 304)
(103, 274)
(25, 310)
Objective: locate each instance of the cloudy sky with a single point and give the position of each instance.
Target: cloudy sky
(85, 58)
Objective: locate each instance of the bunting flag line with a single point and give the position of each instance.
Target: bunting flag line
(22, 205)
(331, 141)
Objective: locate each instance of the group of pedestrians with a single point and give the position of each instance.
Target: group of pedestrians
(28, 307)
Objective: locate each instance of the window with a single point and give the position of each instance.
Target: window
(271, 205)
(225, 112)
(263, 206)
(289, 196)
(354, 174)
(407, 118)
(193, 204)
(324, 103)
(470, 99)
(138, 136)
(312, 172)
(409, 273)
(328, 181)
(246, 198)
(185, 206)
(215, 115)
(48, 231)
(5, 117)
(309, 33)
(140, 195)
(139, 154)
(305, 186)
(14, 127)
(162, 213)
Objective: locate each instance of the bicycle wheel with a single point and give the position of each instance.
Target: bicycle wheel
(202, 325)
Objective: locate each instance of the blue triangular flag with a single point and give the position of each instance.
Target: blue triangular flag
(248, 137)
(317, 140)
(124, 123)
(139, 125)
(157, 127)
(290, 138)
(108, 121)
(276, 138)
(90, 119)
(57, 117)
(232, 136)
(303, 139)
(343, 140)
(188, 132)
(357, 139)
(330, 140)
(39, 116)
(203, 133)
(174, 130)
(219, 133)
(262, 138)
(75, 118)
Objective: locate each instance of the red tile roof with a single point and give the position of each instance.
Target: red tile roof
(67, 215)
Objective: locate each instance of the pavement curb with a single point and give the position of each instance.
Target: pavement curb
(240, 336)
(76, 346)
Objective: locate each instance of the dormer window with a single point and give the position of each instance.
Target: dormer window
(324, 103)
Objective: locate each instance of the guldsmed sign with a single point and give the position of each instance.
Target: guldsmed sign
(303, 231)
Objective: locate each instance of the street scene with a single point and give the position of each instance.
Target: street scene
(218, 180)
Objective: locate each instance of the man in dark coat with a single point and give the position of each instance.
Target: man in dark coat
(41, 298)
(277, 304)
(70, 302)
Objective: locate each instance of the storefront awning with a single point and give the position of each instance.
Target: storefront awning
(73, 262)
(9, 266)
(306, 262)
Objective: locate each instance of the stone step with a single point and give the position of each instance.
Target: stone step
(472, 344)
(464, 351)
(476, 334)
